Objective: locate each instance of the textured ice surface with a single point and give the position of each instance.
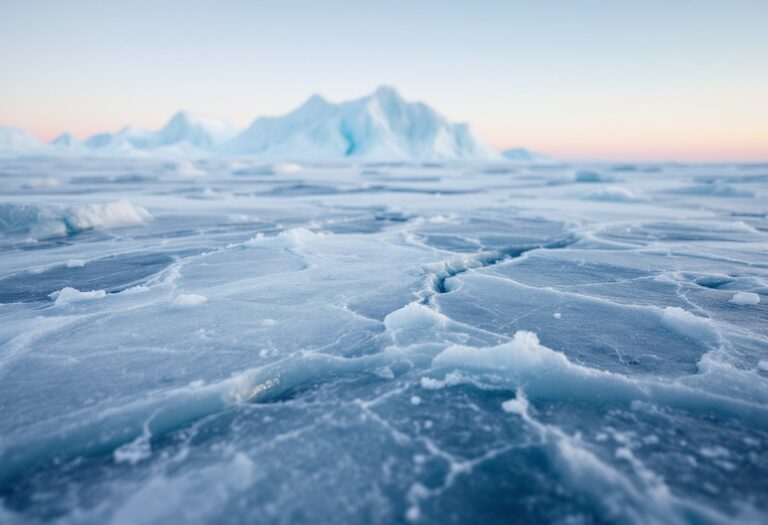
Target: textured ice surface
(240, 342)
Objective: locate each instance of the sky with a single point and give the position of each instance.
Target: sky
(652, 80)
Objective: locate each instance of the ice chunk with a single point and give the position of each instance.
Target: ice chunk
(68, 295)
(523, 353)
(414, 316)
(716, 190)
(688, 324)
(293, 238)
(593, 176)
(40, 183)
(277, 168)
(518, 405)
(114, 215)
(745, 299)
(43, 222)
(187, 169)
(613, 194)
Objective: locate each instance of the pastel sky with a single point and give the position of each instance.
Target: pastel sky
(579, 79)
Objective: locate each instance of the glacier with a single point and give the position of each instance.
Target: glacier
(249, 339)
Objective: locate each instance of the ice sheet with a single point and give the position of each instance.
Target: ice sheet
(232, 341)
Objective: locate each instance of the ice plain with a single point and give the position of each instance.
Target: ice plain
(220, 341)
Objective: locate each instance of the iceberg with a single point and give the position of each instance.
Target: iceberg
(17, 142)
(379, 127)
(185, 134)
(526, 156)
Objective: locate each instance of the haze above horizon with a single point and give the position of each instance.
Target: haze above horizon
(580, 80)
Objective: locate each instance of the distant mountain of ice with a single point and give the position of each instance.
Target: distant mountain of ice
(185, 134)
(381, 126)
(17, 142)
(525, 155)
(196, 129)
(66, 140)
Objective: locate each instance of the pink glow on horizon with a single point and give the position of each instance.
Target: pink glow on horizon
(744, 149)
(565, 137)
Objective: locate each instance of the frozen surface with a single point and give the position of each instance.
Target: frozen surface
(248, 342)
